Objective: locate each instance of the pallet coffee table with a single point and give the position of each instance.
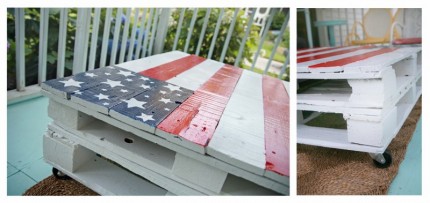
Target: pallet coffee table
(373, 88)
(171, 123)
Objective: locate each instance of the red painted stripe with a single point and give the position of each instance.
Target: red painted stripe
(417, 40)
(169, 70)
(316, 51)
(352, 59)
(326, 55)
(197, 117)
(276, 103)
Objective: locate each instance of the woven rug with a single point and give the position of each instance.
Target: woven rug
(325, 171)
(52, 186)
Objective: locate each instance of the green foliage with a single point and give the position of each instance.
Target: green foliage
(234, 45)
(278, 20)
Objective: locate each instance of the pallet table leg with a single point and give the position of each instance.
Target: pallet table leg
(199, 173)
(68, 116)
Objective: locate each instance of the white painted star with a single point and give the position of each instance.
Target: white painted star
(172, 87)
(165, 100)
(135, 103)
(145, 86)
(113, 83)
(145, 117)
(178, 95)
(125, 73)
(105, 103)
(123, 90)
(71, 82)
(167, 109)
(91, 75)
(104, 89)
(151, 82)
(128, 79)
(146, 96)
(162, 92)
(78, 92)
(143, 78)
(102, 96)
(107, 73)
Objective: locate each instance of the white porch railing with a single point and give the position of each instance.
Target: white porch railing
(153, 24)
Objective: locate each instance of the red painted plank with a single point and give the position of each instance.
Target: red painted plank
(276, 103)
(196, 119)
(335, 53)
(402, 41)
(311, 51)
(352, 59)
(169, 70)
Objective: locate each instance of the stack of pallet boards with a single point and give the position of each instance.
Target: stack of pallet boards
(170, 124)
(373, 88)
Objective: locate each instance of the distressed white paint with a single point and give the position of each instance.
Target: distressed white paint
(97, 173)
(239, 136)
(68, 116)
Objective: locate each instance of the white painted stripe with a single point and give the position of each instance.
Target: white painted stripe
(312, 49)
(239, 137)
(156, 60)
(195, 77)
(328, 51)
(303, 67)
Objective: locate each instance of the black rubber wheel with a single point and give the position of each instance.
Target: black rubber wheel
(59, 175)
(388, 160)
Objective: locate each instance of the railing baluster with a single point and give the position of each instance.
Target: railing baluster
(141, 33)
(162, 28)
(230, 32)
(148, 26)
(62, 43)
(153, 32)
(106, 34)
(81, 40)
(244, 39)
(277, 41)
(133, 34)
(20, 48)
(124, 36)
(202, 33)
(178, 30)
(191, 29)
(116, 36)
(43, 43)
(284, 66)
(94, 38)
(263, 36)
(218, 24)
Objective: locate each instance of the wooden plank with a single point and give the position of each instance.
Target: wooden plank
(195, 77)
(351, 59)
(153, 61)
(276, 126)
(314, 51)
(196, 119)
(326, 55)
(148, 109)
(239, 137)
(173, 68)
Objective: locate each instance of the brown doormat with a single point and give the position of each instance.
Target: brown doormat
(52, 186)
(325, 171)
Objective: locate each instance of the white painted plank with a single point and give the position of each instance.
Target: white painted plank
(311, 49)
(324, 52)
(239, 137)
(106, 178)
(156, 60)
(195, 77)
(240, 172)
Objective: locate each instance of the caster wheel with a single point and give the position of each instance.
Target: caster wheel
(59, 175)
(388, 160)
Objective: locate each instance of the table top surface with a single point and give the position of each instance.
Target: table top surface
(231, 114)
(351, 59)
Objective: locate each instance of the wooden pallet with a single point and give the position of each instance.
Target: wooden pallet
(236, 124)
(373, 88)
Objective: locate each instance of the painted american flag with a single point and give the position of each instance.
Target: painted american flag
(212, 108)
